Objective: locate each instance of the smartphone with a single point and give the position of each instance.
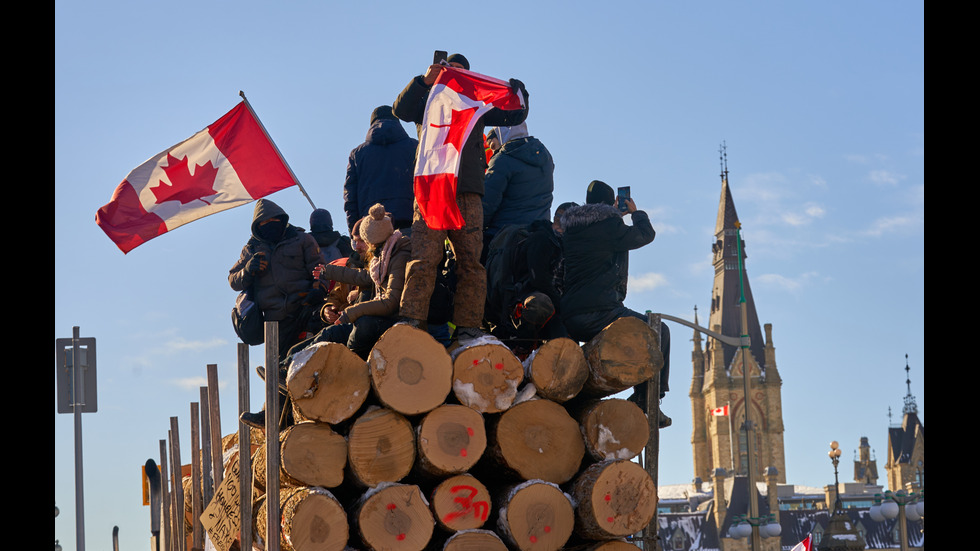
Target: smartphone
(439, 56)
(622, 194)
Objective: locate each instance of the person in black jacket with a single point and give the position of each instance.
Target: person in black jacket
(381, 170)
(596, 244)
(428, 245)
(519, 183)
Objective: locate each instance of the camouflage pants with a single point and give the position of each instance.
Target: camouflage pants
(427, 250)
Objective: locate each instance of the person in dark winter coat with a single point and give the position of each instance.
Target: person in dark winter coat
(519, 182)
(467, 242)
(596, 244)
(381, 170)
(277, 263)
(332, 244)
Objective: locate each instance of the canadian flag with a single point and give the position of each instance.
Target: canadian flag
(803, 545)
(230, 163)
(720, 411)
(456, 101)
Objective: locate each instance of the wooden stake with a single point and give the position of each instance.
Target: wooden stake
(214, 420)
(165, 501)
(244, 450)
(272, 434)
(197, 530)
(207, 473)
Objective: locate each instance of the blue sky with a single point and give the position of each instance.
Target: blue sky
(820, 105)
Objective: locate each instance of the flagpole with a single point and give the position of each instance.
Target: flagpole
(276, 147)
(731, 429)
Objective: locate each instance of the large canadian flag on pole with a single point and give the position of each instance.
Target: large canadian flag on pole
(230, 163)
(456, 101)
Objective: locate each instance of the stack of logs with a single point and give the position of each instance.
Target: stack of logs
(467, 449)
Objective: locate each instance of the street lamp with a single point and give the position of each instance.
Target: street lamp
(901, 505)
(834, 455)
(768, 527)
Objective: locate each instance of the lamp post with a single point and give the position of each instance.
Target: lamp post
(841, 534)
(904, 506)
(834, 455)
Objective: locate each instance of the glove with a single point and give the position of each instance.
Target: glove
(257, 265)
(518, 86)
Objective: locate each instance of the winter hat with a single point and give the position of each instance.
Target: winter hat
(321, 221)
(600, 192)
(381, 112)
(458, 58)
(376, 226)
(534, 311)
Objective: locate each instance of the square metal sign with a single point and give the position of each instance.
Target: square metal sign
(87, 397)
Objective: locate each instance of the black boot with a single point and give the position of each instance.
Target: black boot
(254, 420)
(282, 378)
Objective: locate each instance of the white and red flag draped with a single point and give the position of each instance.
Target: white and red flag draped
(230, 163)
(803, 545)
(723, 410)
(456, 101)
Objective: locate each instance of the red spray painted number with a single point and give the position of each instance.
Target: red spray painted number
(480, 509)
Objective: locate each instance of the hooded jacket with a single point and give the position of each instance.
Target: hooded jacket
(281, 290)
(410, 107)
(519, 183)
(381, 170)
(596, 244)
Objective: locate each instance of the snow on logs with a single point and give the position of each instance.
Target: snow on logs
(419, 448)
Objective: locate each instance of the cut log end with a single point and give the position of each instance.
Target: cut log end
(314, 520)
(559, 370)
(624, 354)
(451, 439)
(312, 454)
(410, 371)
(381, 447)
(614, 429)
(538, 439)
(395, 517)
(537, 516)
(474, 540)
(328, 383)
(461, 503)
(615, 498)
(486, 377)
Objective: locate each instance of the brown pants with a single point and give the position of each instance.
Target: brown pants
(471, 276)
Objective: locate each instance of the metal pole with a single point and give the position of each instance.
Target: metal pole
(746, 386)
(78, 400)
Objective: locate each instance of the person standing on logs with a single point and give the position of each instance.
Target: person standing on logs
(596, 244)
(467, 242)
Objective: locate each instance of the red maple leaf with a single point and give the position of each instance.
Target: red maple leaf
(184, 186)
(458, 123)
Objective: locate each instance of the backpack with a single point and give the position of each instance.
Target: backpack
(504, 281)
(247, 319)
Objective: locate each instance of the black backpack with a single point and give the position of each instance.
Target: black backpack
(505, 277)
(247, 319)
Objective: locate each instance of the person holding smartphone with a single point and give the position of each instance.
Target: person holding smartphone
(596, 243)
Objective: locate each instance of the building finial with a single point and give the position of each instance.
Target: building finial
(910, 406)
(723, 161)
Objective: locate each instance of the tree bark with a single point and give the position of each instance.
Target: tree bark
(313, 519)
(474, 540)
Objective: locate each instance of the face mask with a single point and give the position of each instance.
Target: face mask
(271, 231)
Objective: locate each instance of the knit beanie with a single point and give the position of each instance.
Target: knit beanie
(600, 192)
(321, 221)
(381, 112)
(376, 226)
(534, 311)
(458, 58)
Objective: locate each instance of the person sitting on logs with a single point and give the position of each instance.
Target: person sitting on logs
(360, 324)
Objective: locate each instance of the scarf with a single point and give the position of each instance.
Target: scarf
(379, 264)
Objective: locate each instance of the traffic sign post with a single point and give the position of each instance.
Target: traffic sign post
(75, 376)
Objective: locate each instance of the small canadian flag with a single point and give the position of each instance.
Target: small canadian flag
(720, 411)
